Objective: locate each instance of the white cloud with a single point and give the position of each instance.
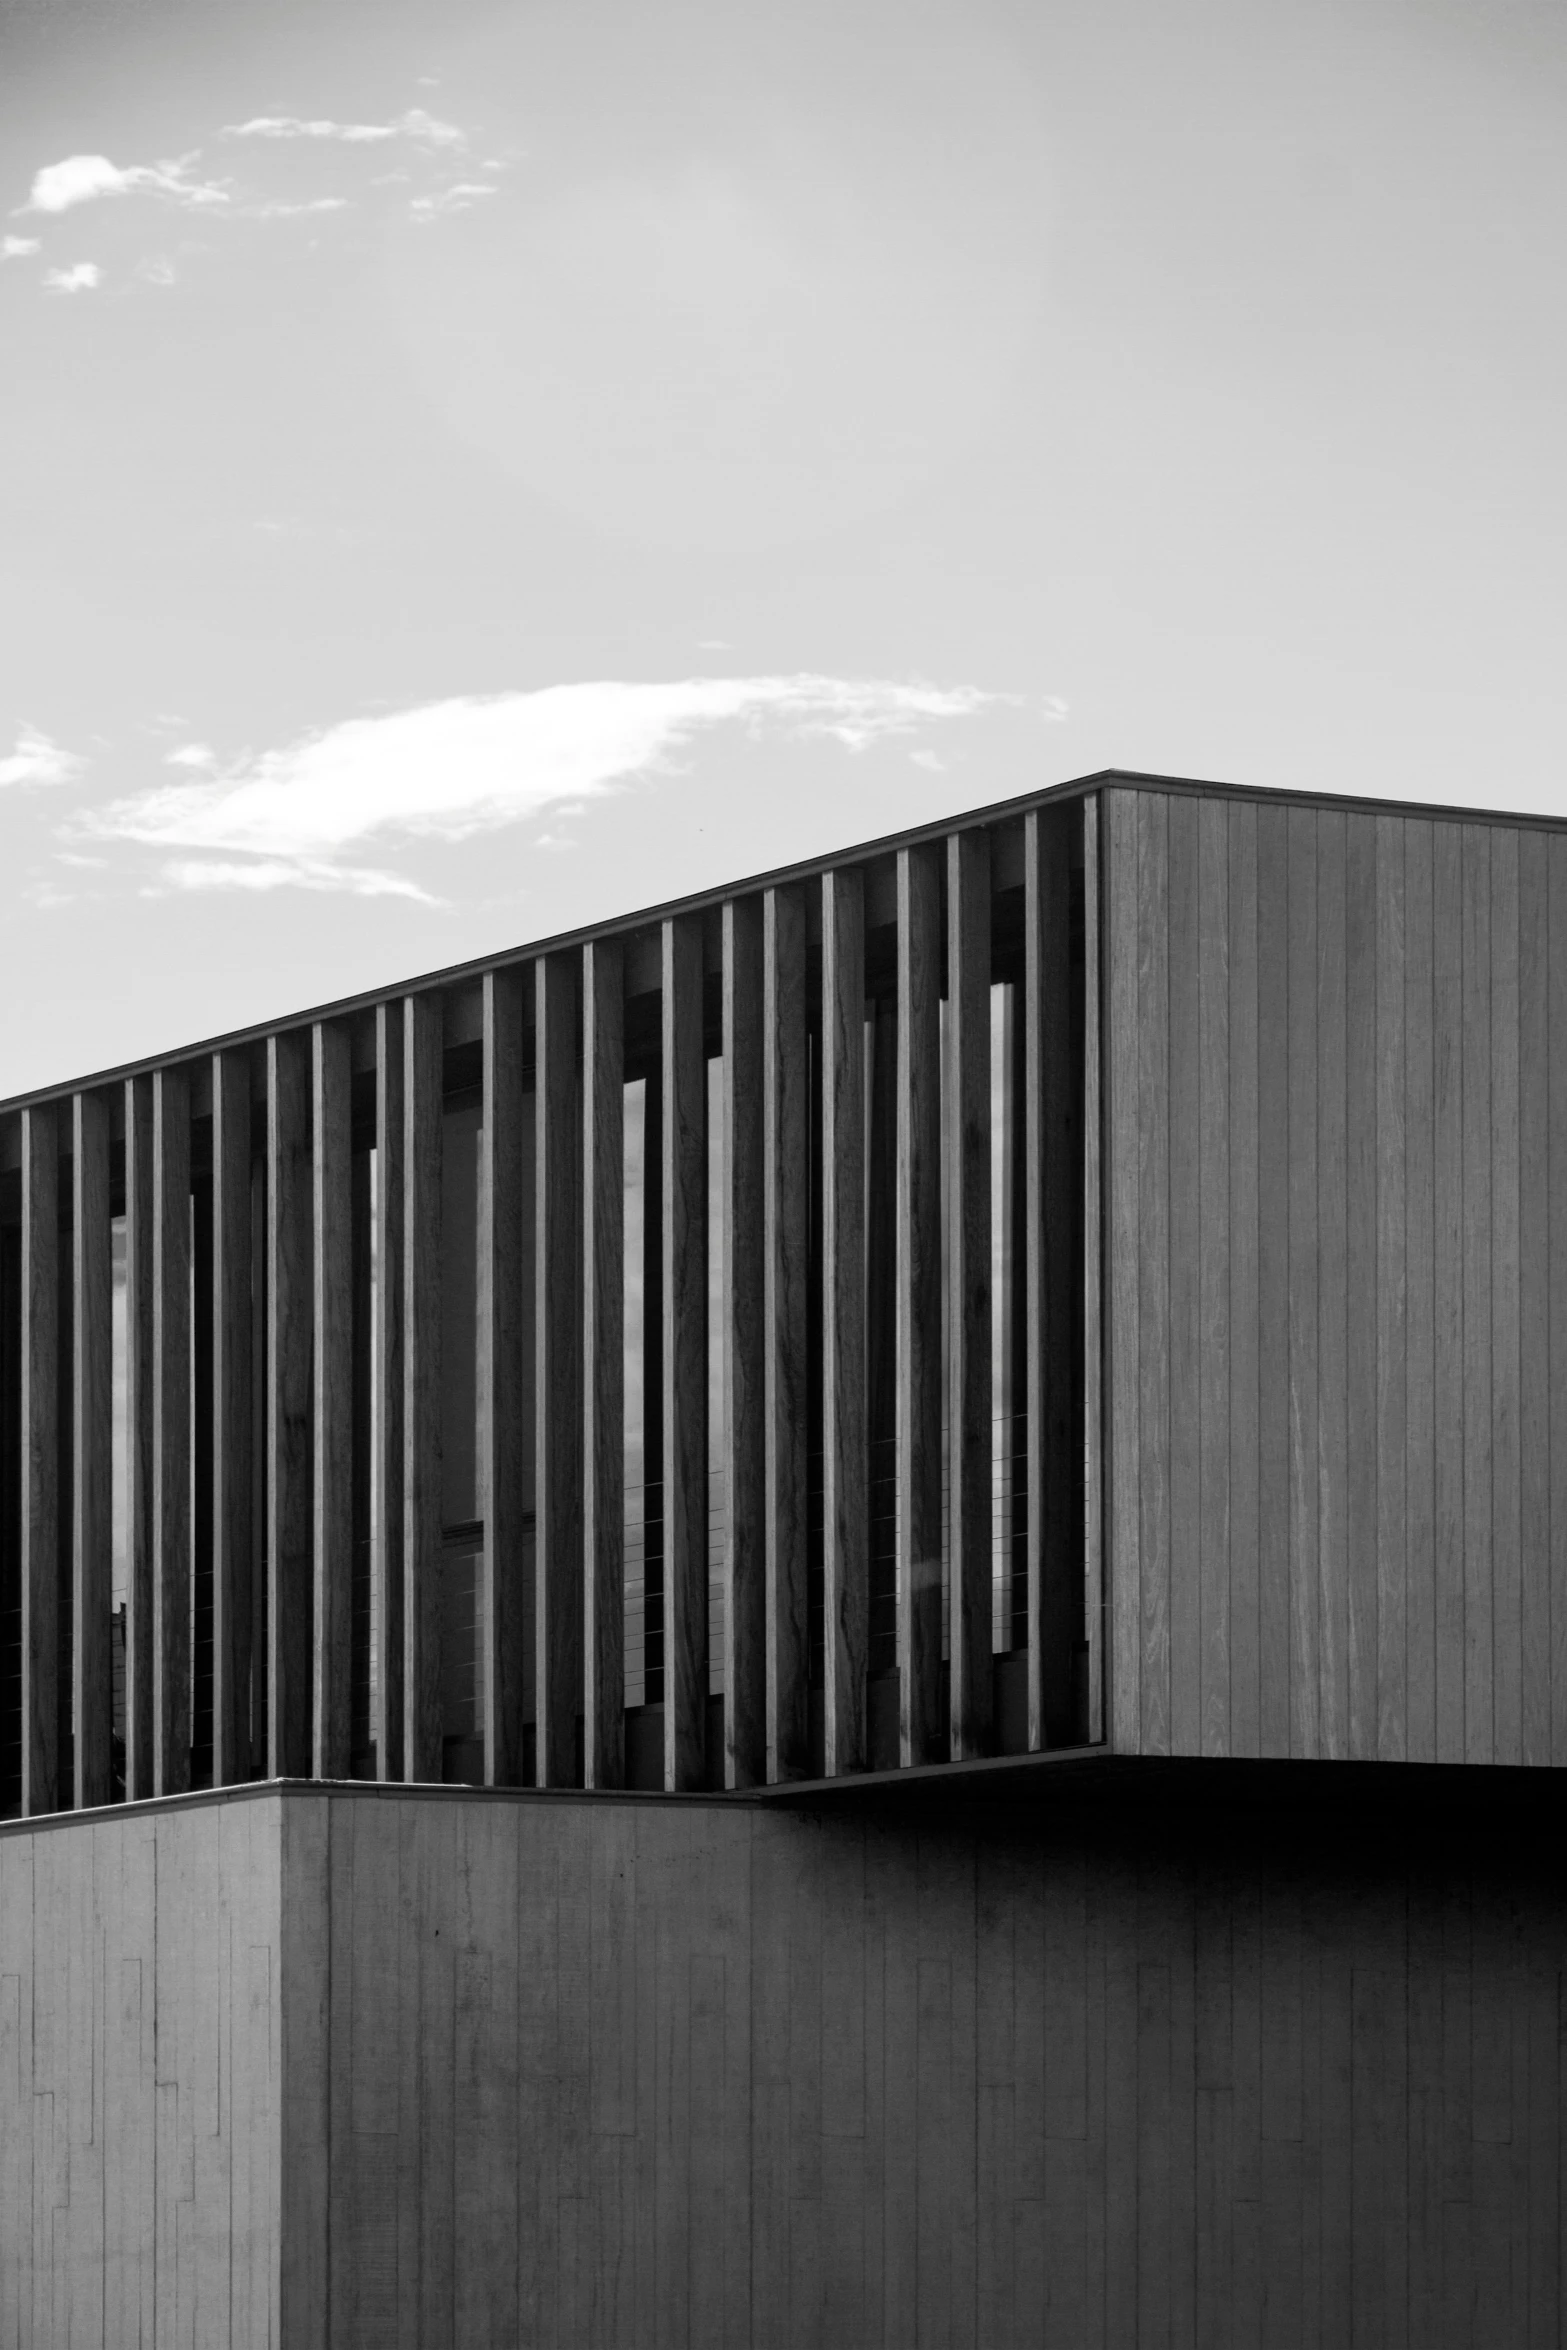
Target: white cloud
(37, 760)
(415, 124)
(80, 278)
(449, 770)
(80, 179)
(201, 756)
(458, 198)
(16, 248)
(198, 873)
(156, 270)
(278, 210)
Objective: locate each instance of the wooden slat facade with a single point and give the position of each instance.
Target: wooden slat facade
(1213, 1414)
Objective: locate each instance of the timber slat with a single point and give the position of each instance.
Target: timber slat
(290, 1598)
(502, 1430)
(171, 1463)
(744, 1368)
(558, 1573)
(845, 1501)
(92, 1438)
(684, 1356)
(423, 1721)
(233, 1565)
(332, 1401)
(603, 1361)
(784, 1314)
(919, 1601)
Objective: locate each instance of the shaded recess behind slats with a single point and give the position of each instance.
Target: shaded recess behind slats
(1336, 1089)
(825, 1151)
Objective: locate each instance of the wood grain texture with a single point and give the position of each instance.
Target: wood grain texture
(558, 1463)
(1447, 1518)
(845, 1500)
(1556, 1147)
(171, 1463)
(92, 1440)
(918, 1370)
(1478, 1565)
(233, 1494)
(138, 1438)
(603, 1361)
(684, 1353)
(785, 1272)
(1122, 1332)
(1386, 1535)
(1216, 1708)
(744, 1344)
(386, 1466)
(1505, 1744)
(1420, 1063)
(332, 1401)
(1094, 1606)
(969, 1433)
(290, 1597)
(40, 1405)
(423, 1154)
(1153, 1247)
(1534, 1280)
(503, 1431)
(1305, 1592)
(1273, 1387)
(1332, 1218)
(1184, 1268)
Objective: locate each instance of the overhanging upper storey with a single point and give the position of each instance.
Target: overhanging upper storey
(665, 1357)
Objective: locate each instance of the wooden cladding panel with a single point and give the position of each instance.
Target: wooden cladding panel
(290, 1597)
(233, 1502)
(744, 1351)
(558, 1572)
(684, 1143)
(603, 1362)
(785, 1278)
(845, 1500)
(969, 1432)
(918, 1370)
(92, 1438)
(502, 1435)
(171, 1463)
(332, 1427)
(386, 1464)
(1332, 1515)
(40, 1529)
(421, 1463)
(138, 1438)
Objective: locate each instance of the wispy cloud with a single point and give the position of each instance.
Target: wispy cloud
(80, 278)
(38, 760)
(277, 209)
(416, 124)
(82, 179)
(449, 770)
(459, 198)
(17, 248)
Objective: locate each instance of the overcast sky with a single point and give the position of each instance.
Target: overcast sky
(465, 470)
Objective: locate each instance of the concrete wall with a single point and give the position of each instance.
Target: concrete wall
(141, 2066)
(1110, 2061)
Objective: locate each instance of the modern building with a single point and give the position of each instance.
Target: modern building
(836, 1616)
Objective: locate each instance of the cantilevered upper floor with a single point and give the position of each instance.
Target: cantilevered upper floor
(1080, 1275)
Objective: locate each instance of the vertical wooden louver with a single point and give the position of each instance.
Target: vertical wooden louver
(716, 1192)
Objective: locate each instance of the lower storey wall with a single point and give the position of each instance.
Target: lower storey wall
(642, 2073)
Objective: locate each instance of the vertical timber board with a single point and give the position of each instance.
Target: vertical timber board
(40, 1530)
(1478, 1207)
(1388, 1534)
(1054, 1371)
(1185, 1267)
(332, 1399)
(138, 1438)
(289, 1596)
(784, 1313)
(1303, 1259)
(1447, 1375)
(603, 1361)
(171, 1431)
(422, 1168)
(1332, 1203)
(1419, 1467)
(386, 1467)
(233, 1567)
(92, 1398)
(1093, 1279)
(968, 1291)
(502, 1435)
(919, 1305)
(1362, 1254)
(1215, 1247)
(1153, 1257)
(1555, 853)
(1534, 1344)
(845, 1501)
(1242, 1118)
(558, 1402)
(744, 1366)
(1272, 1352)
(1506, 1742)
(684, 1355)
(1123, 1544)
